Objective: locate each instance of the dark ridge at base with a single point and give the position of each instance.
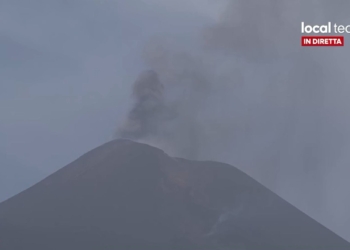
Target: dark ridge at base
(127, 195)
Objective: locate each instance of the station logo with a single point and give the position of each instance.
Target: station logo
(327, 37)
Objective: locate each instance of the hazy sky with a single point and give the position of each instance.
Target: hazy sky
(68, 67)
(244, 89)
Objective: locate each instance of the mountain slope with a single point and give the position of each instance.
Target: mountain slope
(14, 177)
(127, 195)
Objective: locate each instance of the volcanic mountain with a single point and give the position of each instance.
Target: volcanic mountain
(126, 195)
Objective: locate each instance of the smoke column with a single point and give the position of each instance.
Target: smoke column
(144, 118)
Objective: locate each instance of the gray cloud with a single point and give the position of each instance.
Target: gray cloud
(246, 93)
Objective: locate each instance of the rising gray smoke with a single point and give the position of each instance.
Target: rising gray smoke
(170, 118)
(149, 109)
(249, 95)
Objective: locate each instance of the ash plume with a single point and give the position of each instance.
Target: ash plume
(247, 94)
(149, 109)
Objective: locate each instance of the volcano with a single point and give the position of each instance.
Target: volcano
(130, 196)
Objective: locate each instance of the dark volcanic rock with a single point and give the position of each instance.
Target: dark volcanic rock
(126, 195)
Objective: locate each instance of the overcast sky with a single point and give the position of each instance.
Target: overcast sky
(277, 111)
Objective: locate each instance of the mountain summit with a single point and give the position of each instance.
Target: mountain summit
(130, 196)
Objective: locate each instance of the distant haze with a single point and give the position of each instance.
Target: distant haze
(237, 88)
